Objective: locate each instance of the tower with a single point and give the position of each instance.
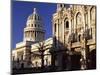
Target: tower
(34, 30)
(60, 24)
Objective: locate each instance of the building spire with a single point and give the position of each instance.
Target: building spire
(34, 11)
(60, 6)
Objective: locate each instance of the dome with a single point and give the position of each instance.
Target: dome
(34, 15)
(34, 20)
(34, 30)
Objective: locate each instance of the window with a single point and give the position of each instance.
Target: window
(92, 14)
(55, 27)
(91, 33)
(21, 57)
(35, 25)
(38, 18)
(64, 5)
(35, 34)
(67, 24)
(32, 25)
(35, 17)
(60, 5)
(78, 20)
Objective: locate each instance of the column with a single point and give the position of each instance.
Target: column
(70, 23)
(89, 24)
(74, 23)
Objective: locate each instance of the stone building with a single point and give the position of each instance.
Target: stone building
(75, 36)
(26, 53)
(72, 47)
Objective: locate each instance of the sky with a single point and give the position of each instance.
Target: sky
(20, 10)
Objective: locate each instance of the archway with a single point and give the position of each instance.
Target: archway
(75, 62)
(78, 20)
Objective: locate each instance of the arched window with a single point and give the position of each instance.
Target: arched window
(35, 34)
(32, 25)
(35, 17)
(35, 25)
(79, 20)
(92, 14)
(67, 24)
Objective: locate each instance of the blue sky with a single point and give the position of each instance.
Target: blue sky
(21, 10)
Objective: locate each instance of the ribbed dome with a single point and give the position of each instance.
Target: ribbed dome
(34, 30)
(34, 20)
(34, 15)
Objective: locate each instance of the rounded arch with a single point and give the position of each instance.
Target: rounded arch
(78, 20)
(92, 14)
(66, 18)
(66, 23)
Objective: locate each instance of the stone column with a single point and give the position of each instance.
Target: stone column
(89, 23)
(70, 23)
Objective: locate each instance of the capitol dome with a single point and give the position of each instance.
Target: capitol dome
(34, 30)
(32, 18)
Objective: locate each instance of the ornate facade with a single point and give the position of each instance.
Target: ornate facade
(74, 34)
